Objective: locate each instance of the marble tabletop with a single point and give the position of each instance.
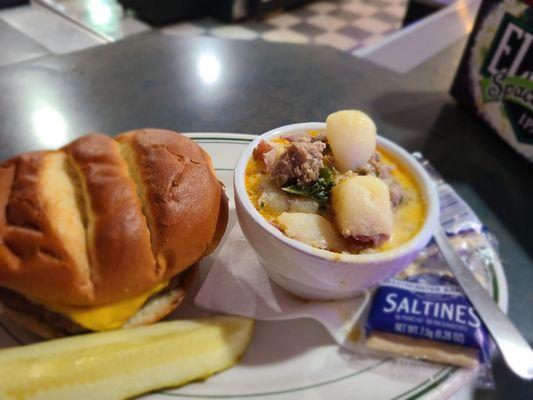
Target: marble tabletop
(207, 84)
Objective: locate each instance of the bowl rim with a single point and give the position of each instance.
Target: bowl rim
(426, 184)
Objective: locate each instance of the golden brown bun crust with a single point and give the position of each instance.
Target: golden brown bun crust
(222, 223)
(127, 215)
(182, 196)
(118, 241)
(33, 259)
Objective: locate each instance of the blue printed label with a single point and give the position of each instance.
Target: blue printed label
(428, 306)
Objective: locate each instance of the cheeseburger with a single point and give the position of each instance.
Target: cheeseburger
(99, 234)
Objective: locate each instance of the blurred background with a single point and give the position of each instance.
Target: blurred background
(62, 26)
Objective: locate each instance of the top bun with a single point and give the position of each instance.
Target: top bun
(102, 220)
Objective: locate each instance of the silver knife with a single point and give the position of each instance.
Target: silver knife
(513, 347)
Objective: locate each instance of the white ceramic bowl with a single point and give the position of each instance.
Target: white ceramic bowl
(318, 274)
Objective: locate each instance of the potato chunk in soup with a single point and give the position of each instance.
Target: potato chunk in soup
(363, 209)
(311, 229)
(352, 137)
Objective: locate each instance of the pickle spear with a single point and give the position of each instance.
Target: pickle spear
(124, 363)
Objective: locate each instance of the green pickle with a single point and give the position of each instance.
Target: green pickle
(124, 363)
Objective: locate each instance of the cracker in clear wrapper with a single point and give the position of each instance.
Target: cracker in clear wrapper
(427, 316)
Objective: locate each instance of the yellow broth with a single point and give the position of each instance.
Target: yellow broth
(408, 215)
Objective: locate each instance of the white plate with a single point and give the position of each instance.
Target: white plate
(297, 359)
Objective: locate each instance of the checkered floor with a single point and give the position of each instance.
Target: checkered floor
(346, 25)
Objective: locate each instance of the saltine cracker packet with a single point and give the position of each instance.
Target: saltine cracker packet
(427, 316)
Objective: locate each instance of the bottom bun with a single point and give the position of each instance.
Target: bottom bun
(32, 323)
(157, 308)
(50, 325)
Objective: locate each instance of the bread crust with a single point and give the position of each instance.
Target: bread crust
(182, 196)
(138, 232)
(33, 260)
(118, 240)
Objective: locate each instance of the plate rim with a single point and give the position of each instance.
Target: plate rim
(433, 386)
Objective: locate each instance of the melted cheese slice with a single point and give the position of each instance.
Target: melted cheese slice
(106, 317)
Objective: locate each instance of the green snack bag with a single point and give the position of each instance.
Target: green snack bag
(495, 77)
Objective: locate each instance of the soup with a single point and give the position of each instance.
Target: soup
(369, 204)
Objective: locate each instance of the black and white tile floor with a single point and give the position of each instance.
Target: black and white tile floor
(346, 25)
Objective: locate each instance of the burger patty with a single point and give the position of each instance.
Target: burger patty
(43, 315)
(59, 322)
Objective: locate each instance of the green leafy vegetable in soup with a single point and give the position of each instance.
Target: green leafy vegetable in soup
(319, 190)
